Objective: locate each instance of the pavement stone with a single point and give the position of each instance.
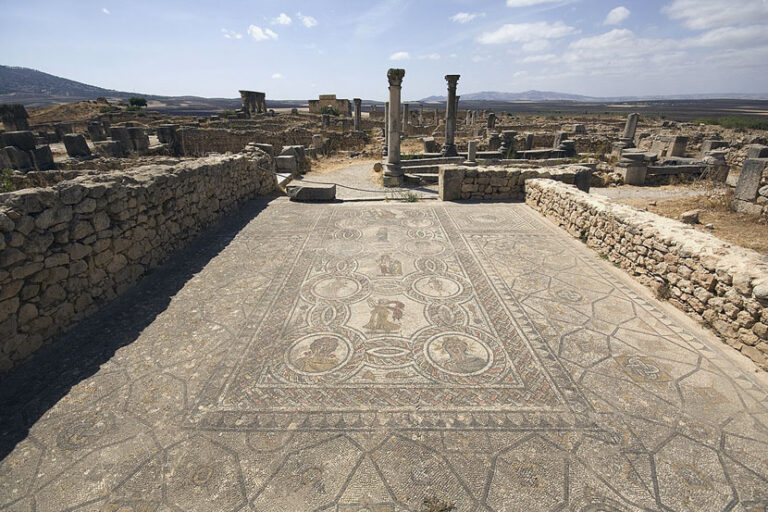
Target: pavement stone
(384, 357)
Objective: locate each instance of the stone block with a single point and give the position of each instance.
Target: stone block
(711, 145)
(139, 139)
(757, 151)
(633, 173)
(450, 183)
(24, 140)
(109, 149)
(120, 133)
(583, 179)
(267, 148)
(749, 179)
(19, 160)
(311, 193)
(96, 132)
(166, 133)
(431, 145)
(287, 163)
(42, 158)
(76, 145)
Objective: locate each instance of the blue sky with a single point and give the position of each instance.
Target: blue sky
(298, 49)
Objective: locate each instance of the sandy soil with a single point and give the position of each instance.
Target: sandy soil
(737, 228)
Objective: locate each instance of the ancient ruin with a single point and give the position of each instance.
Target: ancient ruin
(253, 103)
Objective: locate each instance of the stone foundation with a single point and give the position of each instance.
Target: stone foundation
(67, 249)
(499, 183)
(723, 286)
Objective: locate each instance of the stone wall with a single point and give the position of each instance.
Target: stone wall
(723, 286)
(199, 142)
(67, 249)
(488, 183)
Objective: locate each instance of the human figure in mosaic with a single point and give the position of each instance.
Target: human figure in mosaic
(460, 360)
(390, 266)
(382, 235)
(320, 357)
(380, 312)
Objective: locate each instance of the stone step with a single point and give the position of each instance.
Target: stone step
(283, 179)
(423, 169)
(311, 193)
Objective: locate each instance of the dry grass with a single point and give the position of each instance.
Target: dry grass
(748, 231)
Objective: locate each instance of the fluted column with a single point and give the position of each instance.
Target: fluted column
(393, 174)
(358, 108)
(449, 149)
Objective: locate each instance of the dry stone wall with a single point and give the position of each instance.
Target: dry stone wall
(724, 286)
(67, 249)
(489, 183)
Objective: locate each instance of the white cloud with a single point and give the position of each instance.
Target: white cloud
(260, 34)
(548, 57)
(706, 14)
(480, 58)
(283, 19)
(731, 37)
(429, 56)
(307, 21)
(538, 46)
(400, 56)
(617, 16)
(528, 3)
(277, 76)
(105, 11)
(231, 34)
(466, 17)
(527, 32)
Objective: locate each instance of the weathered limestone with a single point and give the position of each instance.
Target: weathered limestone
(421, 114)
(471, 153)
(18, 159)
(393, 174)
(431, 145)
(508, 143)
(723, 285)
(109, 149)
(24, 140)
(120, 134)
(139, 140)
(253, 103)
(711, 145)
(757, 151)
(491, 123)
(297, 191)
(14, 117)
(86, 240)
(406, 118)
(166, 133)
(42, 158)
(630, 127)
(633, 172)
(96, 132)
(559, 138)
(76, 145)
(751, 195)
(358, 114)
(451, 104)
(502, 183)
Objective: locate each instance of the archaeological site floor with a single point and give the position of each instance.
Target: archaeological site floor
(372, 355)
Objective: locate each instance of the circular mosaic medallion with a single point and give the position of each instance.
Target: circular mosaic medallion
(424, 247)
(319, 354)
(343, 248)
(313, 356)
(336, 288)
(438, 287)
(465, 355)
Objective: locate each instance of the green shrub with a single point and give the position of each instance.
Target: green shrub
(108, 109)
(6, 185)
(138, 102)
(736, 122)
(331, 111)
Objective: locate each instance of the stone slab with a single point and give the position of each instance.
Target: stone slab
(311, 193)
(749, 179)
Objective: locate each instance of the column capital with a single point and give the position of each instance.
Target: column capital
(357, 100)
(395, 76)
(452, 80)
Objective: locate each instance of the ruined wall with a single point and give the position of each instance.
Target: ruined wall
(487, 183)
(67, 249)
(200, 142)
(725, 287)
(751, 192)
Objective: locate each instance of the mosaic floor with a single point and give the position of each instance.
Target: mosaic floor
(385, 357)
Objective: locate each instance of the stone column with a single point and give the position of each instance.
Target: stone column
(421, 114)
(386, 129)
(393, 174)
(471, 153)
(630, 127)
(406, 117)
(491, 121)
(449, 149)
(358, 115)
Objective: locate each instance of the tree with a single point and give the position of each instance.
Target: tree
(138, 102)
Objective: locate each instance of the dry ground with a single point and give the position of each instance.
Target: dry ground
(737, 228)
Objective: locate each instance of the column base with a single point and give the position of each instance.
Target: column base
(393, 181)
(450, 150)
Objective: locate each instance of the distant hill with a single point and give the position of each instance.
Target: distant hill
(516, 96)
(561, 96)
(37, 89)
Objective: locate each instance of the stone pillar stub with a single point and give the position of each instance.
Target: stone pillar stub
(451, 103)
(358, 113)
(471, 153)
(393, 173)
(630, 127)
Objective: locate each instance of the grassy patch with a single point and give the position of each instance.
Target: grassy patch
(736, 122)
(6, 185)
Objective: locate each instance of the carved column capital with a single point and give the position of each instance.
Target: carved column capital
(395, 76)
